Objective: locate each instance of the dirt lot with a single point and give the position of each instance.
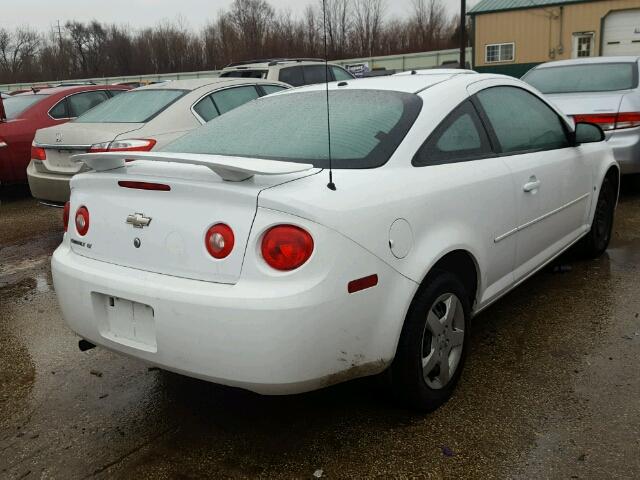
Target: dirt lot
(551, 389)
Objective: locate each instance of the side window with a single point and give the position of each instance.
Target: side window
(269, 89)
(116, 92)
(460, 137)
(521, 121)
(315, 74)
(81, 102)
(340, 74)
(206, 109)
(59, 110)
(292, 75)
(231, 98)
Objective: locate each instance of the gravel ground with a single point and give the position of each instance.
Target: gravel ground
(550, 390)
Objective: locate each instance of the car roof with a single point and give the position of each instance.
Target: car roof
(274, 64)
(589, 60)
(71, 89)
(399, 83)
(436, 71)
(196, 83)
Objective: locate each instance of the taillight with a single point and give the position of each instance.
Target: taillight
(38, 153)
(65, 215)
(628, 120)
(219, 240)
(286, 247)
(133, 145)
(82, 221)
(611, 121)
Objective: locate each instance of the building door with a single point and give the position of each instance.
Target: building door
(582, 45)
(621, 33)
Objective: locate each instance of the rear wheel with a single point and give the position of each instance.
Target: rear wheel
(433, 342)
(597, 240)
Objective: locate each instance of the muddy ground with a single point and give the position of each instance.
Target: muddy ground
(551, 389)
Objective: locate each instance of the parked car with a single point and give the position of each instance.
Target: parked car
(27, 112)
(602, 90)
(143, 119)
(257, 273)
(295, 72)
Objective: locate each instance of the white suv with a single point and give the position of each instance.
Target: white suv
(296, 72)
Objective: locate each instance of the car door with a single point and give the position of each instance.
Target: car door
(552, 177)
(459, 150)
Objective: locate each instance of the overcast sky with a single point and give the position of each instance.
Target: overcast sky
(43, 14)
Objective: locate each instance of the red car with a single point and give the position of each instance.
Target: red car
(25, 113)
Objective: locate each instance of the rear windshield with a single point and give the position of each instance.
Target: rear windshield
(131, 107)
(366, 128)
(245, 74)
(593, 77)
(14, 106)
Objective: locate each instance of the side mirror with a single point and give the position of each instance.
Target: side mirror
(588, 133)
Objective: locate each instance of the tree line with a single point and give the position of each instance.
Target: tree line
(248, 29)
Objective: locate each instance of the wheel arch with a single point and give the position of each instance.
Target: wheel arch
(464, 265)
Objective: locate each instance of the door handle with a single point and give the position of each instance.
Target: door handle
(532, 185)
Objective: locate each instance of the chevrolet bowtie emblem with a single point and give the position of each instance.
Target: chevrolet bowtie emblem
(138, 220)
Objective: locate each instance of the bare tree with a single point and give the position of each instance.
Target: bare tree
(252, 19)
(249, 29)
(368, 24)
(18, 49)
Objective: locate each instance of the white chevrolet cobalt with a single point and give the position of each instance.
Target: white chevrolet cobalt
(229, 257)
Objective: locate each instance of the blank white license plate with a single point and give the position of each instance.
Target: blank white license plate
(126, 322)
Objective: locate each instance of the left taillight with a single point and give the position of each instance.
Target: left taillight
(38, 153)
(132, 145)
(82, 221)
(65, 215)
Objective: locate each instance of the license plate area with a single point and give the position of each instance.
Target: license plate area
(126, 322)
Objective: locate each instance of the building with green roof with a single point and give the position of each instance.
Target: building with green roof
(512, 36)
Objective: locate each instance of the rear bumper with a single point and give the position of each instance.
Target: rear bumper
(275, 338)
(49, 187)
(626, 149)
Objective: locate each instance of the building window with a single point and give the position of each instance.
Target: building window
(582, 45)
(501, 52)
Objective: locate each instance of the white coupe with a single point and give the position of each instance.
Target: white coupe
(226, 256)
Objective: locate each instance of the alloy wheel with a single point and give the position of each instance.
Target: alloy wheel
(442, 341)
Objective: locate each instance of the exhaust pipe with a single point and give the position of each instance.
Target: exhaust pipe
(83, 345)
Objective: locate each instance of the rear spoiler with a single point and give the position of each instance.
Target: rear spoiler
(232, 169)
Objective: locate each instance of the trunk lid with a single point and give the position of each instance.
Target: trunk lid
(62, 141)
(173, 242)
(587, 103)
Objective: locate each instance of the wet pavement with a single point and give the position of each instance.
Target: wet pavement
(551, 389)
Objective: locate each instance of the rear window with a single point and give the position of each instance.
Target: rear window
(138, 106)
(593, 77)
(366, 128)
(14, 106)
(245, 74)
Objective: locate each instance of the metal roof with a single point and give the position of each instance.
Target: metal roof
(490, 6)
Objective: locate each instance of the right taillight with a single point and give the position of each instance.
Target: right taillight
(65, 215)
(611, 121)
(38, 153)
(82, 221)
(286, 247)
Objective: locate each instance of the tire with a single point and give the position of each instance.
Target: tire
(436, 328)
(597, 240)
